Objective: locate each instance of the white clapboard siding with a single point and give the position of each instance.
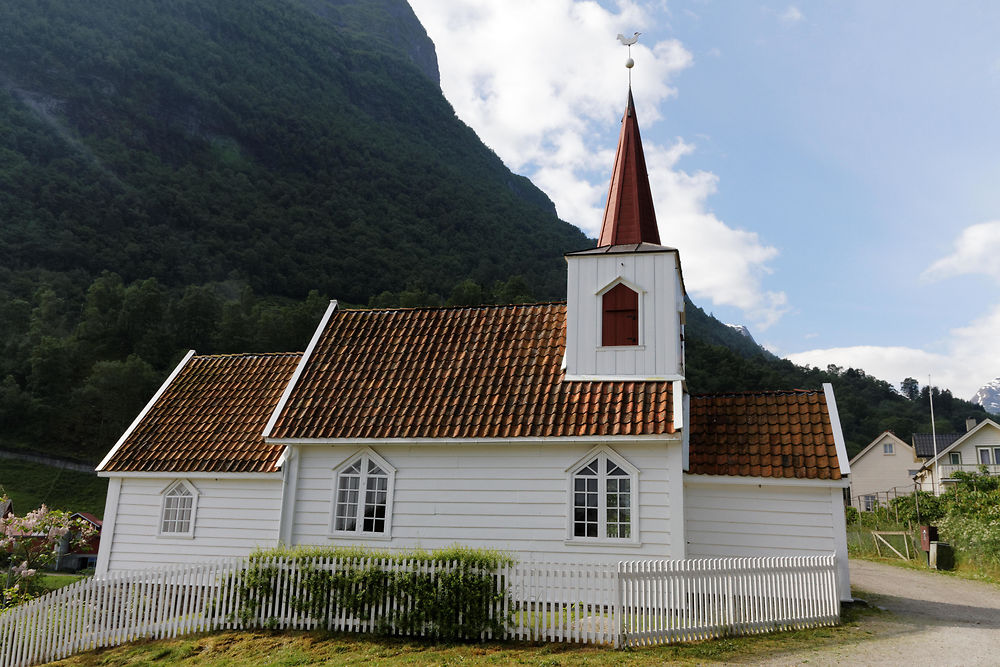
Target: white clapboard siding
(752, 520)
(629, 603)
(233, 517)
(500, 496)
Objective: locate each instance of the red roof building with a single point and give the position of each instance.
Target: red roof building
(552, 431)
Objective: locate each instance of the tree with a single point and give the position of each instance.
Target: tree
(29, 543)
(910, 388)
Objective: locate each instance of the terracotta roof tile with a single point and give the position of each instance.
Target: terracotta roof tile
(211, 417)
(763, 434)
(484, 372)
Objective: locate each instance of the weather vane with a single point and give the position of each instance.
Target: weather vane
(629, 41)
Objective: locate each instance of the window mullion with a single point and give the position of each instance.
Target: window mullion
(359, 512)
(602, 497)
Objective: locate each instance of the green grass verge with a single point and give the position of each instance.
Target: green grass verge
(30, 484)
(53, 581)
(966, 567)
(229, 649)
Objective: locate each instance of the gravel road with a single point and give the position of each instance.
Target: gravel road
(935, 620)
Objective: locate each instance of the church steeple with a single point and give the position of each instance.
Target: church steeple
(628, 215)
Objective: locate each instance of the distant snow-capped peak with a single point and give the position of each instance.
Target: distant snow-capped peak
(988, 396)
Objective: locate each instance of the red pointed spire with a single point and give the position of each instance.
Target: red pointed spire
(629, 215)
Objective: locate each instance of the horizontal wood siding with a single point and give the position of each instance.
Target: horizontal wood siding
(234, 516)
(752, 520)
(509, 497)
(878, 472)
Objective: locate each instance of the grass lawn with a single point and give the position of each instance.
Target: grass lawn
(260, 648)
(30, 484)
(52, 581)
(966, 567)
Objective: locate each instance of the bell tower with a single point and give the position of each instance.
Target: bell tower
(625, 298)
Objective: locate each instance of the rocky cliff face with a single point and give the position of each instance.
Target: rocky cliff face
(388, 24)
(988, 396)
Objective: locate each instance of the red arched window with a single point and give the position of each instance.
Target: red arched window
(620, 325)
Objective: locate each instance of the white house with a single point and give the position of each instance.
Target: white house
(552, 431)
(979, 446)
(883, 469)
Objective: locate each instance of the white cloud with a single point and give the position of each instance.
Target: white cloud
(791, 15)
(543, 82)
(724, 264)
(963, 364)
(976, 251)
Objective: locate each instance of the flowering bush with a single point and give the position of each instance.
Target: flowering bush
(28, 544)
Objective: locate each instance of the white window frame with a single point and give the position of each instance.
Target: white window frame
(952, 458)
(604, 454)
(869, 502)
(888, 449)
(365, 455)
(164, 495)
(992, 452)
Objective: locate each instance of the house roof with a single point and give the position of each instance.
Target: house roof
(784, 434)
(957, 442)
(628, 215)
(923, 443)
(881, 436)
(209, 418)
(88, 517)
(483, 372)
(480, 372)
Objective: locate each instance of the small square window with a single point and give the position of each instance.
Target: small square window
(887, 448)
(955, 458)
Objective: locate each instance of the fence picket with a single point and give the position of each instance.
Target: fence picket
(628, 603)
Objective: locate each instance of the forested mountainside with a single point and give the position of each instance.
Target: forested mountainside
(280, 144)
(222, 160)
(720, 359)
(178, 174)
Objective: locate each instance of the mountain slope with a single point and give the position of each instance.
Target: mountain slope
(268, 141)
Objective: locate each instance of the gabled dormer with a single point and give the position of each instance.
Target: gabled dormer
(625, 298)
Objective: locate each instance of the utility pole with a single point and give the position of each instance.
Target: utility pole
(937, 466)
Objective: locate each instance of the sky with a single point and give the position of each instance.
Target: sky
(829, 171)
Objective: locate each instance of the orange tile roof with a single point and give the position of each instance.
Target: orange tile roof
(482, 372)
(763, 434)
(211, 417)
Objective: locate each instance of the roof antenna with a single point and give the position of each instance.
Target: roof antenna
(629, 63)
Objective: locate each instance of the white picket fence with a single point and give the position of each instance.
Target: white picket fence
(629, 603)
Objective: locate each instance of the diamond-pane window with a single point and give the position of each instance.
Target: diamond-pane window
(602, 500)
(177, 515)
(361, 500)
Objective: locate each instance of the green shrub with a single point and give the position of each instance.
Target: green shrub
(462, 599)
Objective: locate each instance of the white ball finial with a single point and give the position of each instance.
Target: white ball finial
(630, 63)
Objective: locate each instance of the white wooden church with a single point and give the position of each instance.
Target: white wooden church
(554, 431)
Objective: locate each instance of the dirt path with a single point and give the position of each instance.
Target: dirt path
(935, 620)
